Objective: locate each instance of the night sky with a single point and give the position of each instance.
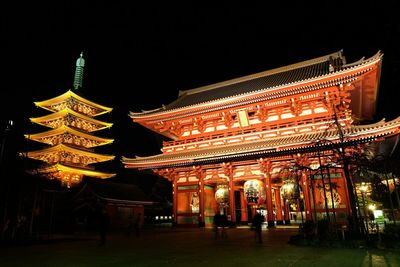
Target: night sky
(138, 56)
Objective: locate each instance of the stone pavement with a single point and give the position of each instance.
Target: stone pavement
(189, 247)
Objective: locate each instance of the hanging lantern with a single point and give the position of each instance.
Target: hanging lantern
(290, 189)
(254, 191)
(222, 195)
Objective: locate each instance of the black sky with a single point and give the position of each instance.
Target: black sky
(138, 56)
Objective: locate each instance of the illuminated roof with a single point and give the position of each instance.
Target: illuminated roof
(284, 81)
(60, 114)
(70, 169)
(38, 154)
(268, 147)
(266, 79)
(45, 137)
(68, 96)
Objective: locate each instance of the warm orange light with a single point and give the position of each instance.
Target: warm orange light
(222, 195)
(254, 191)
(70, 179)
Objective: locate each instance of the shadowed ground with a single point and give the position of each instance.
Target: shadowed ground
(190, 247)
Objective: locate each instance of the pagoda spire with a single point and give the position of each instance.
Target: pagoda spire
(78, 79)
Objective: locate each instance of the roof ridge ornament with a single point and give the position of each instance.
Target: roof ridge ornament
(78, 79)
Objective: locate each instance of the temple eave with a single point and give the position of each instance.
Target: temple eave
(63, 113)
(167, 111)
(45, 137)
(238, 156)
(65, 148)
(71, 169)
(270, 148)
(46, 104)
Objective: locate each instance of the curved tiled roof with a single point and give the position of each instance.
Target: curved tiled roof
(271, 78)
(68, 111)
(291, 74)
(270, 146)
(67, 148)
(74, 169)
(65, 129)
(48, 104)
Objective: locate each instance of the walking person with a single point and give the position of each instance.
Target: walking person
(224, 224)
(258, 219)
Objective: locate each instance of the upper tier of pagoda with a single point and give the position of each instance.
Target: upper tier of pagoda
(71, 174)
(74, 102)
(71, 118)
(68, 155)
(285, 95)
(68, 135)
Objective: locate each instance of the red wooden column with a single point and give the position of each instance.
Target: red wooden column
(201, 189)
(287, 211)
(302, 160)
(306, 194)
(265, 167)
(200, 174)
(175, 199)
(228, 171)
(278, 206)
(243, 204)
(270, 207)
(232, 200)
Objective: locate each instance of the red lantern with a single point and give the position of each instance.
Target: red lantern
(290, 189)
(222, 195)
(254, 191)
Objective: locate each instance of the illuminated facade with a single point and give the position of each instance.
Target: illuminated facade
(264, 137)
(70, 140)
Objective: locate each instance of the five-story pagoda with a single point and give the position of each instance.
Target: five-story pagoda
(71, 140)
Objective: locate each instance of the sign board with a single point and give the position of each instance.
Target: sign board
(379, 218)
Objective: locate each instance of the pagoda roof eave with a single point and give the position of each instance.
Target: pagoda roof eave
(268, 147)
(237, 99)
(65, 168)
(64, 147)
(66, 129)
(46, 103)
(64, 112)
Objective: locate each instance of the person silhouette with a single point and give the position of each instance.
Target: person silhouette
(258, 219)
(224, 224)
(217, 224)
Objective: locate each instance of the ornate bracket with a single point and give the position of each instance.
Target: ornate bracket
(228, 168)
(295, 107)
(167, 173)
(262, 112)
(200, 123)
(228, 119)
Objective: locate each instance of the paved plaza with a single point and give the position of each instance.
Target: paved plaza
(189, 247)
